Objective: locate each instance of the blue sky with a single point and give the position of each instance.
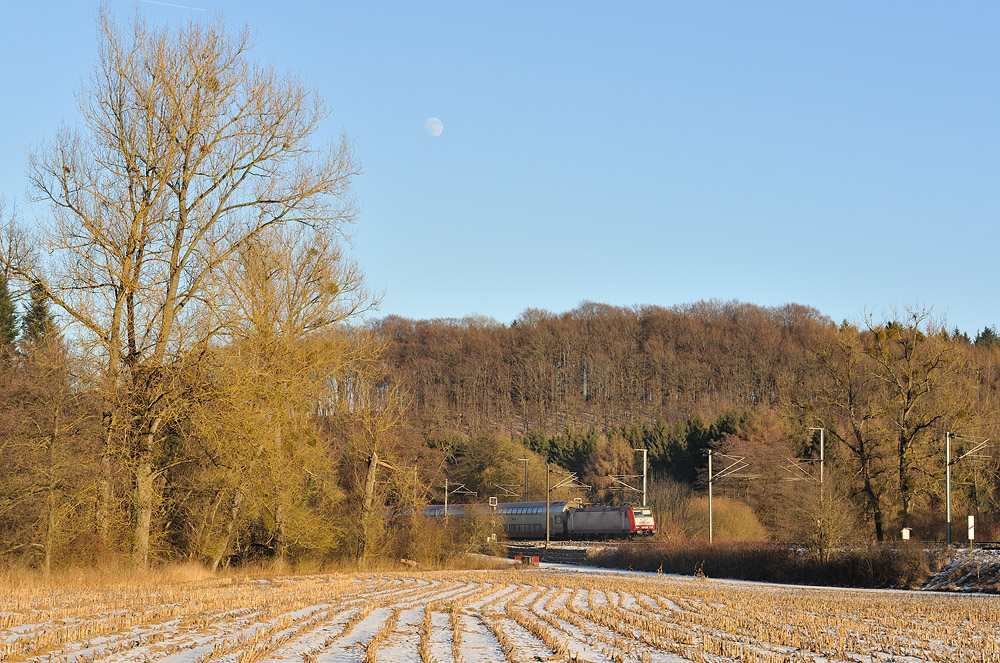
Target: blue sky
(842, 155)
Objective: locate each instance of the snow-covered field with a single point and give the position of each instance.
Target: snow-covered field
(517, 615)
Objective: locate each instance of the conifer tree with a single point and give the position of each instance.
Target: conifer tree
(38, 322)
(987, 338)
(8, 318)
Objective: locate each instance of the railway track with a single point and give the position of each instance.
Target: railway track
(565, 552)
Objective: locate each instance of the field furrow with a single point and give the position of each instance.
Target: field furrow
(517, 616)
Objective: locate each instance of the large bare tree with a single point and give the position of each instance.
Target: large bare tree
(926, 387)
(187, 152)
(887, 393)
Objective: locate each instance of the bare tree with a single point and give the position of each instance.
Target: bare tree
(188, 151)
(846, 398)
(926, 387)
(887, 392)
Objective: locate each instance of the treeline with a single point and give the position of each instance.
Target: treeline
(584, 388)
(261, 452)
(604, 365)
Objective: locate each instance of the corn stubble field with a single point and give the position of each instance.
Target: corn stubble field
(491, 616)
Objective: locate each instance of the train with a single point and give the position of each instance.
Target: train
(567, 520)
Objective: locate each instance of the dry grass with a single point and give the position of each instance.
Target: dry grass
(525, 615)
(14, 578)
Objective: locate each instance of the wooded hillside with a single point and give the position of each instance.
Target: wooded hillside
(727, 376)
(600, 364)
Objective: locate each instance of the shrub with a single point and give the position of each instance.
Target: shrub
(680, 514)
(861, 566)
(731, 520)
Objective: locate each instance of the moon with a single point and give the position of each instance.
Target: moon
(433, 126)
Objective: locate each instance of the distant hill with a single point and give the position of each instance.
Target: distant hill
(598, 364)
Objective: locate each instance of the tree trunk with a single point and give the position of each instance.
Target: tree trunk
(143, 512)
(905, 488)
(905, 503)
(224, 544)
(50, 511)
(873, 505)
(279, 533)
(50, 497)
(50, 530)
(104, 487)
(279, 514)
(144, 477)
(366, 508)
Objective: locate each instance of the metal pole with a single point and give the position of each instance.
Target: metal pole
(947, 488)
(822, 530)
(546, 506)
(644, 477)
(446, 501)
(822, 461)
(710, 496)
(524, 497)
(643, 474)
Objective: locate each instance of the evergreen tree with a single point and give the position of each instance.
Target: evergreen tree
(8, 318)
(987, 338)
(38, 322)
